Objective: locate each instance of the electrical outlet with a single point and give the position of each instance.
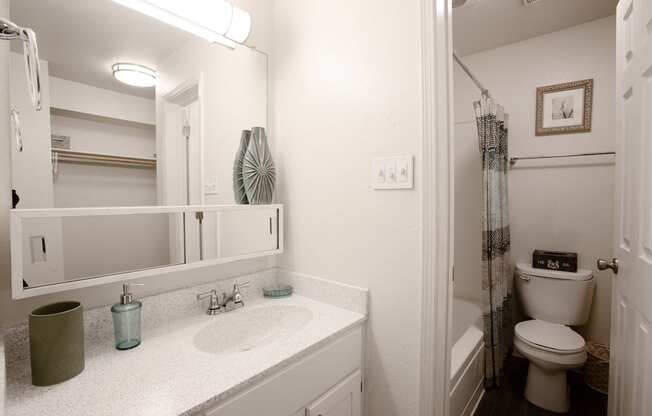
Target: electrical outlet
(210, 189)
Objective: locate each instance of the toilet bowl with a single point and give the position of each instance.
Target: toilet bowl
(556, 300)
(552, 349)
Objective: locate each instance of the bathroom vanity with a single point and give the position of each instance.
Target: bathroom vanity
(277, 357)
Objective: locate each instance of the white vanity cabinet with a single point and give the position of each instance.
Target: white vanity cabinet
(326, 382)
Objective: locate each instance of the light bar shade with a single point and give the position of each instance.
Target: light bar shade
(214, 20)
(134, 75)
(240, 26)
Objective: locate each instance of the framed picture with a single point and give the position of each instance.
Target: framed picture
(565, 108)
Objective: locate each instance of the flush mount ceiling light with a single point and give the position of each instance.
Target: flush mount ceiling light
(134, 75)
(217, 21)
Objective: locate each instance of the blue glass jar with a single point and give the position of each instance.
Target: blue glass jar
(127, 320)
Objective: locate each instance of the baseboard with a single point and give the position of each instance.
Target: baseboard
(473, 404)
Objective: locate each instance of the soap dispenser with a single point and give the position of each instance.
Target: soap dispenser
(127, 319)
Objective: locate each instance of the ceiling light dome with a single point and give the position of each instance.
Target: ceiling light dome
(134, 75)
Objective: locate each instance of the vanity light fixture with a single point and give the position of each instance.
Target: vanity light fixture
(134, 74)
(217, 21)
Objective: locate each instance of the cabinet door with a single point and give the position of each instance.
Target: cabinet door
(247, 231)
(342, 400)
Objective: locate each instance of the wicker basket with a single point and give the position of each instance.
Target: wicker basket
(596, 371)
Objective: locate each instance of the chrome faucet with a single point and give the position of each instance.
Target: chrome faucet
(214, 304)
(235, 296)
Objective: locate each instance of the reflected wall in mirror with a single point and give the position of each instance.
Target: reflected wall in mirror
(61, 249)
(54, 250)
(100, 142)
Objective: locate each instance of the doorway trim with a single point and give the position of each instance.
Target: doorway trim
(437, 206)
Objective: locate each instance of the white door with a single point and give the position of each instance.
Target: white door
(630, 384)
(31, 168)
(342, 400)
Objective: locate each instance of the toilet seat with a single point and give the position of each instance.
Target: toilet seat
(551, 337)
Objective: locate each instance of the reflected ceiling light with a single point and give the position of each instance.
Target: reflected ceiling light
(217, 21)
(134, 74)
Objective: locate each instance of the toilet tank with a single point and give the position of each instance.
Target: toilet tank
(552, 296)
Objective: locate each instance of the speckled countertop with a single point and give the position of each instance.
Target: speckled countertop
(168, 374)
(2, 373)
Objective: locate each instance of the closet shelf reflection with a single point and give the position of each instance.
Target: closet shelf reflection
(89, 158)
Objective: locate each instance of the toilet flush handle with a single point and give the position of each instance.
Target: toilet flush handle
(524, 277)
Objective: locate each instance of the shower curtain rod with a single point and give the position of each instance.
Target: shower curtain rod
(483, 90)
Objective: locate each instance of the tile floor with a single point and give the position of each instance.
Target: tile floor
(508, 400)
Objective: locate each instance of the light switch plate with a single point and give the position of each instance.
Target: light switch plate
(393, 172)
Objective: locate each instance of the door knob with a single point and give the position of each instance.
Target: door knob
(604, 265)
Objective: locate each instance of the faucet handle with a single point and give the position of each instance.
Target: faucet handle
(214, 304)
(237, 296)
(204, 295)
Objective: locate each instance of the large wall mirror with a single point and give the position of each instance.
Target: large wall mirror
(100, 141)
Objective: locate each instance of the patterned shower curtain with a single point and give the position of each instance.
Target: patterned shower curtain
(496, 266)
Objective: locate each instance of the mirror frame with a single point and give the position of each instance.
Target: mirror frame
(16, 232)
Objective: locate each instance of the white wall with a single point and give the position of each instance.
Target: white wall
(233, 95)
(83, 98)
(554, 206)
(78, 185)
(104, 135)
(468, 200)
(346, 88)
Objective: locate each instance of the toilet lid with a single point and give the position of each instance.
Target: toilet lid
(550, 336)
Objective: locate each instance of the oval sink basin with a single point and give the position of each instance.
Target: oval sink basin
(246, 329)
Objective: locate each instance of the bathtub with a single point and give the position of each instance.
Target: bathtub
(467, 358)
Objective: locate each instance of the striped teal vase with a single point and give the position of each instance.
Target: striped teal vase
(238, 181)
(258, 171)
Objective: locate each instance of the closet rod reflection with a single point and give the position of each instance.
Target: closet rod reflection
(69, 156)
(514, 160)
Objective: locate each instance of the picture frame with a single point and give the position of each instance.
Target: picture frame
(564, 108)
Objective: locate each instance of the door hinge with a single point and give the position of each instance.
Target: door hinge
(453, 273)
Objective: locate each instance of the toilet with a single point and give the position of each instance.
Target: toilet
(555, 301)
